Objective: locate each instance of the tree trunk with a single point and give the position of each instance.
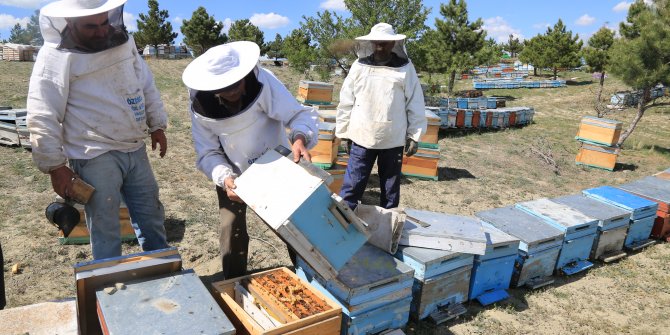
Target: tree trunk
(600, 92)
(534, 71)
(452, 78)
(641, 108)
(555, 73)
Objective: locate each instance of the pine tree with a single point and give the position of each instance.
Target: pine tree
(154, 28)
(407, 17)
(298, 49)
(18, 35)
(560, 48)
(329, 31)
(202, 31)
(596, 55)
(532, 53)
(244, 30)
(275, 48)
(513, 46)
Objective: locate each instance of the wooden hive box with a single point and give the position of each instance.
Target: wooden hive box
(327, 115)
(656, 190)
(337, 171)
(176, 303)
(81, 235)
(423, 164)
(431, 135)
(492, 272)
(663, 175)
(249, 312)
(93, 275)
(13, 128)
(303, 211)
(441, 281)
(476, 115)
(597, 156)
(315, 92)
(643, 213)
(599, 131)
(324, 153)
(579, 232)
(539, 244)
(613, 224)
(460, 118)
(374, 291)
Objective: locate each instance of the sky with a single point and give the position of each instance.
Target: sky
(522, 18)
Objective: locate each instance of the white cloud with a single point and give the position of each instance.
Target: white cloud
(499, 29)
(130, 21)
(585, 20)
(32, 4)
(333, 5)
(542, 25)
(226, 24)
(622, 6)
(178, 20)
(269, 20)
(9, 21)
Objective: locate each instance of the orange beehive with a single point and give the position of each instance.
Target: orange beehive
(432, 132)
(423, 164)
(80, 234)
(315, 92)
(597, 156)
(599, 130)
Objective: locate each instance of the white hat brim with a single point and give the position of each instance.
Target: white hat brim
(61, 9)
(197, 77)
(381, 37)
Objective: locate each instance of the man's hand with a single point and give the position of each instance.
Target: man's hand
(61, 181)
(229, 182)
(300, 150)
(158, 136)
(411, 147)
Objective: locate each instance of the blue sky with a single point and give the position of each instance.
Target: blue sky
(523, 18)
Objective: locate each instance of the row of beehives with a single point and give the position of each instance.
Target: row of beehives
(509, 74)
(631, 99)
(484, 118)
(523, 245)
(13, 127)
(512, 84)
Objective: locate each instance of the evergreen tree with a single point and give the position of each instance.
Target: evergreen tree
(462, 39)
(275, 48)
(561, 49)
(328, 31)
(154, 28)
(490, 53)
(18, 35)
(298, 50)
(202, 31)
(641, 58)
(532, 53)
(244, 30)
(513, 46)
(33, 29)
(596, 55)
(407, 17)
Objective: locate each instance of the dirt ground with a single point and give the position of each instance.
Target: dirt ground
(477, 171)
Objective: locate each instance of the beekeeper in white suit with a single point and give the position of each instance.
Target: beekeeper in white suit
(238, 112)
(381, 111)
(91, 103)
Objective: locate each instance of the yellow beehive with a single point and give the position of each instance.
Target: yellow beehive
(599, 130)
(597, 156)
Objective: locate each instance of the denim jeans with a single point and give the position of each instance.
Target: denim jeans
(3, 301)
(359, 167)
(116, 176)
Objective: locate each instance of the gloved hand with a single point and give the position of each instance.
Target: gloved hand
(411, 146)
(347, 145)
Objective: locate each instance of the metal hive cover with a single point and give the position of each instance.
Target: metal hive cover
(443, 231)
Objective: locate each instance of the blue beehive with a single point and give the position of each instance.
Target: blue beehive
(613, 224)
(440, 284)
(492, 272)
(303, 211)
(539, 244)
(491, 103)
(462, 102)
(473, 103)
(369, 287)
(579, 231)
(656, 190)
(643, 213)
(468, 118)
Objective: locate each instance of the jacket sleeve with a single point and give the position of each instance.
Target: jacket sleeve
(156, 115)
(347, 100)
(415, 106)
(46, 104)
(298, 118)
(210, 158)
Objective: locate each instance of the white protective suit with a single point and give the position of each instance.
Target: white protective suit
(380, 107)
(228, 146)
(81, 105)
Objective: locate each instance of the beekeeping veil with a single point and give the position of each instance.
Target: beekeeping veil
(381, 32)
(54, 19)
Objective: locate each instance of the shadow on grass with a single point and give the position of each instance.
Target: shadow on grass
(625, 167)
(175, 229)
(578, 83)
(449, 174)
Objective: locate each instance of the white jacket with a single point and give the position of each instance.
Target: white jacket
(228, 146)
(83, 105)
(380, 107)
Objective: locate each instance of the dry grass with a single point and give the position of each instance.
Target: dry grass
(478, 171)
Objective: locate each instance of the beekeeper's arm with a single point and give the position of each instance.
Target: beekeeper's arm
(415, 106)
(347, 100)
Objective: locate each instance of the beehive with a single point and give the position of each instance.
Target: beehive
(324, 153)
(599, 131)
(315, 92)
(81, 235)
(423, 164)
(597, 156)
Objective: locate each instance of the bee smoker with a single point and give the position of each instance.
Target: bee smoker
(62, 213)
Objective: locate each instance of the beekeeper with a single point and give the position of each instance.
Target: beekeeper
(381, 115)
(238, 112)
(91, 103)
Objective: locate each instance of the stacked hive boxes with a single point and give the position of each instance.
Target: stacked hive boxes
(80, 234)
(324, 153)
(373, 288)
(579, 232)
(504, 83)
(643, 213)
(315, 93)
(423, 164)
(13, 127)
(658, 191)
(482, 113)
(598, 138)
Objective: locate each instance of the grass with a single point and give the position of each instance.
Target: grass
(484, 170)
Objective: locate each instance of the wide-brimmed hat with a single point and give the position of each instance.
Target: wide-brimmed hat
(79, 8)
(221, 66)
(382, 32)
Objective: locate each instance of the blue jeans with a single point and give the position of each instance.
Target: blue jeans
(115, 176)
(361, 161)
